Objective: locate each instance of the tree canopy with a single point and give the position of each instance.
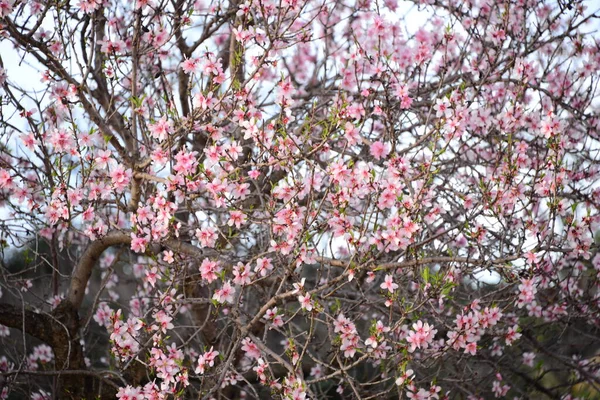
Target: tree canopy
(294, 199)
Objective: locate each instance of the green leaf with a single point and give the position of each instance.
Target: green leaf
(447, 288)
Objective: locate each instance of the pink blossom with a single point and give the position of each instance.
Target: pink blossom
(273, 316)
(138, 243)
(421, 336)
(152, 275)
(512, 334)
(263, 266)
(164, 321)
(209, 270)
(206, 360)
(406, 376)
(207, 236)
(190, 65)
(305, 302)
(241, 274)
(161, 129)
(380, 150)
(120, 178)
(6, 7)
(250, 349)
(88, 6)
(236, 218)
(225, 294)
(203, 101)
(130, 393)
(389, 284)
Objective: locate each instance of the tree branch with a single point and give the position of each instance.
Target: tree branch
(34, 324)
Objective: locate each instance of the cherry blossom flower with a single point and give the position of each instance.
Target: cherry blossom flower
(404, 377)
(305, 302)
(209, 270)
(206, 360)
(120, 178)
(164, 321)
(421, 336)
(389, 284)
(225, 294)
(161, 129)
(379, 150)
(250, 349)
(190, 65)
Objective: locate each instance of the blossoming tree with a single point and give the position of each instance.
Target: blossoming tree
(299, 199)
